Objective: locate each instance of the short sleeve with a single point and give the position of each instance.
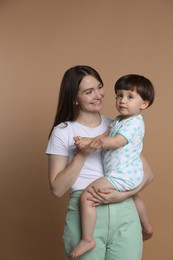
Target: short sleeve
(58, 144)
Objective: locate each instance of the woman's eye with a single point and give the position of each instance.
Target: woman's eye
(89, 92)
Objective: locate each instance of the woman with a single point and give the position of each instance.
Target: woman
(118, 231)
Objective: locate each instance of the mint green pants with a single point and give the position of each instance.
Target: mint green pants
(117, 232)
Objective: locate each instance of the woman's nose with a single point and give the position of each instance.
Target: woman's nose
(99, 93)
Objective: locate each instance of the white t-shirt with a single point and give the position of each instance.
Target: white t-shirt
(61, 143)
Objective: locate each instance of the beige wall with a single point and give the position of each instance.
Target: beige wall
(40, 39)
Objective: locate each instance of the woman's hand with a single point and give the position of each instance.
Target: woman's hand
(89, 147)
(105, 196)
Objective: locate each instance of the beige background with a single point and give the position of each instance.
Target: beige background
(39, 40)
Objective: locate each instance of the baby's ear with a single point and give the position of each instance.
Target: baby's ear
(145, 104)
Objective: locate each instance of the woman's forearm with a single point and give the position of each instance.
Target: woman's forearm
(105, 196)
(148, 178)
(63, 176)
(148, 174)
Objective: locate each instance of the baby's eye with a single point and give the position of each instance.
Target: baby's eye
(130, 97)
(118, 95)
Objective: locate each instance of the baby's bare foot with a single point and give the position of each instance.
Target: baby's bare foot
(82, 248)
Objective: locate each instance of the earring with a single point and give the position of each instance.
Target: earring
(75, 103)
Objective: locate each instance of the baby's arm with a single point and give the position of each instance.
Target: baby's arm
(82, 142)
(106, 141)
(113, 142)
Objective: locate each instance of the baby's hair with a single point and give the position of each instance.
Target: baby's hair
(141, 84)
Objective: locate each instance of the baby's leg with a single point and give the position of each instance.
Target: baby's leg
(88, 220)
(147, 230)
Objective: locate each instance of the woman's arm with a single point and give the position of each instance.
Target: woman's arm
(111, 195)
(63, 175)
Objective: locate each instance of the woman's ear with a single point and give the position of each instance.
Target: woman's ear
(145, 104)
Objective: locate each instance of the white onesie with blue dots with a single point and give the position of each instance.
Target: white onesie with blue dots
(123, 166)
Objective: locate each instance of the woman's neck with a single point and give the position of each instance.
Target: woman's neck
(89, 119)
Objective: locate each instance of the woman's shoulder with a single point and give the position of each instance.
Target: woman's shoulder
(64, 126)
(62, 130)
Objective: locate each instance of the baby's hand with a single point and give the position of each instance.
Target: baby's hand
(82, 142)
(86, 146)
(76, 138)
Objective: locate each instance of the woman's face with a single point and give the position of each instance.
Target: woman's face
(90, 95)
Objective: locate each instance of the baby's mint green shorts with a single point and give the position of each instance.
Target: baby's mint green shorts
(117, 232)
